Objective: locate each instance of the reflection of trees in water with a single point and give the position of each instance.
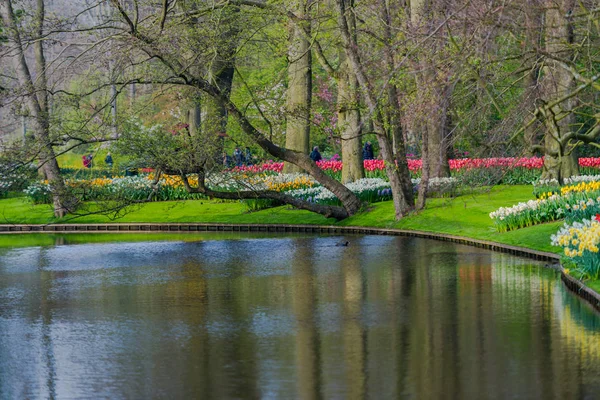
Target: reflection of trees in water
(380, 318)
(536, 294)
(354, 338)
(304, 306)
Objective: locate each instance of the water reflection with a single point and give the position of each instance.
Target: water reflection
(290, 318)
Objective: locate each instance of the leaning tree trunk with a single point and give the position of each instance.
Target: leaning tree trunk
(349, 122)
(560, 160)
(401, 194)
(393, 106)
(299, 91)
(35, 97)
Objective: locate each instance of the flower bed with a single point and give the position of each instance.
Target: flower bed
(580, 242)
(367, 189)
(574, 202)
(530, 213)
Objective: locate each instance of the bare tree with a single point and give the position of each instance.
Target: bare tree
(396, 170)
(34, 92)
(174, 67)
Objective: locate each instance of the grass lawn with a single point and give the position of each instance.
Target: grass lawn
(19, 211)
(465, 215)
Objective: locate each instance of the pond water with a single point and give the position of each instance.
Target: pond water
(295, 317)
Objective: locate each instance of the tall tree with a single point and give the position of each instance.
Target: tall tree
(560, 159)
(349, 119)
(396, 170)
(221, 69)
(299, 91)
(349, 122)
(34, 91)
(432, 85)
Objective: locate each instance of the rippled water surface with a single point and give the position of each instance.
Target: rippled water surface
(296, 317)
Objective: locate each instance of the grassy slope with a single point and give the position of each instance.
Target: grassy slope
(466, 215)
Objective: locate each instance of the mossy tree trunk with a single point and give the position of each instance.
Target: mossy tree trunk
(560, 158)
(349, 121)
(430, 84)
(299, 90)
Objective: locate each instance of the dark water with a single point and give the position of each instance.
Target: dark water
(383, 318)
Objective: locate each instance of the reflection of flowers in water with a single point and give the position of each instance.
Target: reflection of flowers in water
(522, 281)
(578, 323)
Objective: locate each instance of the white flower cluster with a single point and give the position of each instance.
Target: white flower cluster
(437, 181)
(9, 179)
(546, 182)
(229, 182)
(358, 187)
(315, 194)
(130, 183)
(582, 204)
(284, 178)
(37, 188)
(582, 178)
(365, 184)
(531, 205)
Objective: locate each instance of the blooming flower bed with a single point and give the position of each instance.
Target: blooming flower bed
(100, 189)
(530, 213)
(577, 201)
(580, 241)
(367, 189)
(370, 190)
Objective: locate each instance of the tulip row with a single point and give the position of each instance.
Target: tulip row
(415, 165)
(471, 171)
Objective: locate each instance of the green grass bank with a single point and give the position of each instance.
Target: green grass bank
(466, 215)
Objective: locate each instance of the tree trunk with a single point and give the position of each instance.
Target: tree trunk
(37, 102)
(299, 91)
(214, 121)
(423, 186)
(560, 161)
(393, 107)
(402, 196)
(349, 122)
(195, 116)
(437, 139)
(533, 23)
(221, 73)
(434, 129)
